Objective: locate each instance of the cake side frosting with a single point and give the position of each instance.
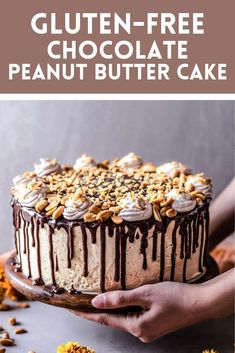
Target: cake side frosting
(112, 256)
(104, 226)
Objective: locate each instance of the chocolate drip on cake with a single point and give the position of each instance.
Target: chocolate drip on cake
(24, 232)
(183, 231)
(32, 233)
(188, 243)
(70, 244)
(187, 225)
(144, 243)
(195, 237)
(162, 259)
(93, 233)
(123, 256)
(51, 254)
(201, 224)
(207, 221)
(186, 234)
(38, 248)
(28, 249)
(173, 253)
(85, 251)
(102, 257)
(117, 255)
(17, 225)
(154, 249)
(56, 264)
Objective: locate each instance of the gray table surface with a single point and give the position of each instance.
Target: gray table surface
(50, 326)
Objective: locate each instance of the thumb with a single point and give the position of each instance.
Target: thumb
(120, 299)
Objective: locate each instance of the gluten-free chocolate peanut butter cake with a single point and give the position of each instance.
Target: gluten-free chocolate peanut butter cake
(94, 227)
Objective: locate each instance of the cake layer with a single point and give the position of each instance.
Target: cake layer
(97, 257)
(112, 225)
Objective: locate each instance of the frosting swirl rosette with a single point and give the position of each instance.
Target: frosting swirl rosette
(29, 198)
(182, 201)
(20, 183)
(84, 162)
(76, 208)
(47, 166)
(130, 161)
(169, 168)
(135, 209)
(21, 180)
(200, 184)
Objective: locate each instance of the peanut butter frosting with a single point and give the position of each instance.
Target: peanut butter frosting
(124, 189)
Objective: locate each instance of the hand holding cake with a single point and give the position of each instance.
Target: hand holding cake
(170, 306)
(102, 227)
(166, 306)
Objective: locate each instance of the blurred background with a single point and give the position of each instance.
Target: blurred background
(198, 133)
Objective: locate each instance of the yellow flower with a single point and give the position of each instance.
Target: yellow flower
(3, 287)
(210, 351)
(6, 290)
(73, 347)
(2, 294)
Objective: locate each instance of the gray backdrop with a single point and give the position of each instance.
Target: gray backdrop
(198, 133)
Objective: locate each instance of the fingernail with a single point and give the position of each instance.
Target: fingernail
(98, 301)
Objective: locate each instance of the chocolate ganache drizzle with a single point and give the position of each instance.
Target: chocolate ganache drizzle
(188, 224)
(101, 210)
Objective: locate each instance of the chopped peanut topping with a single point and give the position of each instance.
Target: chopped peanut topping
(106, 185)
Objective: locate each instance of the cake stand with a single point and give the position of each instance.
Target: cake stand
(77, 301)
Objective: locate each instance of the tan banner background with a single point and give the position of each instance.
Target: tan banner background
(19, 44)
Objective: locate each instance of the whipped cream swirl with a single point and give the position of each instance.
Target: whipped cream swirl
(20, 183)
(168, 168)
(21, 180)
(84, 162)
(29, 198)
(135, 209)
(182, 201)
(76, 209)
(47, 166)
(200, 185)
(130, 161)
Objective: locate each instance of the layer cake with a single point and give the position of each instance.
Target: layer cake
(96, 227)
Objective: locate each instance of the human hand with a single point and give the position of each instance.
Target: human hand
(5, 256)
(167, 306)
(222, 216)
